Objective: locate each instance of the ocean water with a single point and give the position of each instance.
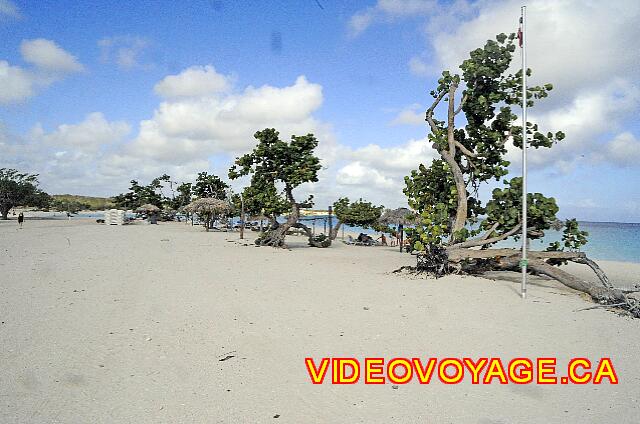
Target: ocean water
(613, 241)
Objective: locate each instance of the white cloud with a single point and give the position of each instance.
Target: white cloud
(624, 149)
(360, 22)
(16, 84)
(388, 10)
(582, 48)
(411, 115)
(7, 8)
(126, 51)
(359, 174)
(87, 137)
(196, 81)
(185, 128)
(51, 63)
(47, 55)
(419, 67)
(590, 120)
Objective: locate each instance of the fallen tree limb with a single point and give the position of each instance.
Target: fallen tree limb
(460, 254)
(474, 261)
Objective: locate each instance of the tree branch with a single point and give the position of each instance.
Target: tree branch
(464, 150)
(462, 102)
(429, 113)
(481, 241)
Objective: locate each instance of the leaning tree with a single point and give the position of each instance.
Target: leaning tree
(358, 214)
(20, 189)
(456, 228)
(275, 162)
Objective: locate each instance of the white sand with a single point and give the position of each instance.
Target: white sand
(127, 324)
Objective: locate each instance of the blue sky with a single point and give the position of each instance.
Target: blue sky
(98, 93)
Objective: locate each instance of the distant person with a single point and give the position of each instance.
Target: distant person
(68, 216)
(20, 219)
(383, 239)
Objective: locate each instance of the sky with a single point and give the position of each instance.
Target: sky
(94, 94)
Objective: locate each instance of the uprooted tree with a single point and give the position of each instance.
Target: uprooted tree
(275, 162)
(358, 214)
(456, 229)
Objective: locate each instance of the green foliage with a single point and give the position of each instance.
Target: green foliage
(506, 205)
(433, 193)
(139, 195)
(262, 198)
(360, 213)
(183, 198)
(572, 237)
(71, 206)
(210, 186)
(432, 228)
(20, 189)
(476, 153)
(275, 161)
(87, 202)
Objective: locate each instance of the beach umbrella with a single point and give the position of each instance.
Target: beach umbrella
(148, 207)
(151, 211)
(208, 207)
(398, 217)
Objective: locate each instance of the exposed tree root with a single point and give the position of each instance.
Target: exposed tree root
(276, 237)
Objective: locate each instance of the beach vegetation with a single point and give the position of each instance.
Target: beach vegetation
(279, 167)
(357, 214)
(20, 189)
(472, 142)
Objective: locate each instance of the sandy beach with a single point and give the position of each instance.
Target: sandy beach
(114, 324)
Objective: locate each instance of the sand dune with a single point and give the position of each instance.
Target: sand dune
(129, 324)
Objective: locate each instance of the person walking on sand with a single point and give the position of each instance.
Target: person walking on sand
(20, 219)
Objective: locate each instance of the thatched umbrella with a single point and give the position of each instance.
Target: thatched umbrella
(151, 211)
(208, 207)
(399, 217)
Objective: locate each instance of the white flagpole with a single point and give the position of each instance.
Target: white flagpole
(523, 262)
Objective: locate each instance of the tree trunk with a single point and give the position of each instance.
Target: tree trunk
(275, 237)
(509, 259)
(5, 207)
(333, 232)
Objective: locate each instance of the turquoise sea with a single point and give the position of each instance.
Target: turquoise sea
(613, 241)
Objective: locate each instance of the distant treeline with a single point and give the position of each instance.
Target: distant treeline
(81, 202)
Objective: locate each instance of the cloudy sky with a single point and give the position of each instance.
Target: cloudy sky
(93, 94)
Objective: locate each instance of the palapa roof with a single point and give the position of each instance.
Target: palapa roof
(400, 216)
(148, 207)
(208, 205)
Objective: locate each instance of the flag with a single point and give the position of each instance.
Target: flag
(520, 33)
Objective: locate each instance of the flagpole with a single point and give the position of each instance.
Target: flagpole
(523, 262)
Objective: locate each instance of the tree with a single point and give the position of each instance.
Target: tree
(210, 186)
(274, 161)
(20, 189)
(358, 214)
(71, 206)
(139, 195)
(261, 198)
(183, 198)
(446, 193)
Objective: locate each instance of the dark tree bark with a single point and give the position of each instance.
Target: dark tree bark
(276, 236)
